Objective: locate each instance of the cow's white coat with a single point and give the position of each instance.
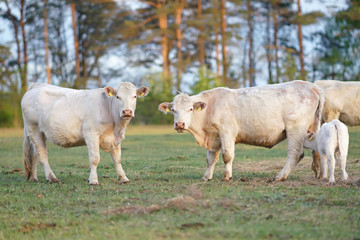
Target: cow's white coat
(262, 116)
(69, 118)
(331, 141)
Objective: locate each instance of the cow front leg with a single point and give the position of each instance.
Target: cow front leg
(324, 166)
(294, 149)
(116, 157)
(228, 154)
(94, 158)
(211, 159)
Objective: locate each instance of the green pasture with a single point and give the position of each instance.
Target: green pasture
(166, 198)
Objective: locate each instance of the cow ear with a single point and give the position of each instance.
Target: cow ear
(198, 106)
(142, 91)
(110, 91)
(165, 107)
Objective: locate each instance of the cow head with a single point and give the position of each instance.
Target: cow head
(183, 108)
(125, 98)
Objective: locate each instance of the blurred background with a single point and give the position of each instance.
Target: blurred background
(172, 45)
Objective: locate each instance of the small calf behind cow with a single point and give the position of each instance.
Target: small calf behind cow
(331, 141)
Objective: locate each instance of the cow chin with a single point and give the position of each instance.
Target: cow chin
(126, 117)
(180, 130)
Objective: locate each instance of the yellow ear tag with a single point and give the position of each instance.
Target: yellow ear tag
(110, 94)
(142, 94)
(167, 109)
(311, 137)
(199, 109)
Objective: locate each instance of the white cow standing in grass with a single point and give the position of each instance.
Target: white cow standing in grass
(331, 141)
(69, 118)
(262, 116)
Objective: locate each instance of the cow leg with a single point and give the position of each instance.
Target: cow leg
(39, 141)
(324, 166)
(331, 164)
(228, 153)
(294, 149)
(211, 159)
(341, 160)
(315, 166)
(116, 157)
(94, 158)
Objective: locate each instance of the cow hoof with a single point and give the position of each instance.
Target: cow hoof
(331, 184)
(226, 179)
(33, 179)
(205, 179)
(280, 179)
(93, 182)
(124, 181)
(52, 178)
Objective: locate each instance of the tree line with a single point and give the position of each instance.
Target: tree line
(171, 45)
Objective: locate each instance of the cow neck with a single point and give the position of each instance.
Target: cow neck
(119, 123)
(197, 124)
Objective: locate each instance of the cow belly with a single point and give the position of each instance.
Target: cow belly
(265, 140)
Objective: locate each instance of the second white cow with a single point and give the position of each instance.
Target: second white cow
(331, 141)
(261, 116)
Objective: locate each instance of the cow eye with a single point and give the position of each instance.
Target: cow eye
(191, 109)
(134, 96)
(118, 97)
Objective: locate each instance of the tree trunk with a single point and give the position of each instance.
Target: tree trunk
(216, 16)
(48, 73)
(274, 15)
(76, 42)
(268, 45)
(223, 40)
(251, 43)
(178, 13)
(25, 55)
(301, 51)
(201, 39)
(163, 22)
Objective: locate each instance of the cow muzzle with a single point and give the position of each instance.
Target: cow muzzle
(180, 127)
(127, 114)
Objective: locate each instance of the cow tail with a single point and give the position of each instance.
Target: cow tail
(341, 136)
(319, 110)
(30, 156)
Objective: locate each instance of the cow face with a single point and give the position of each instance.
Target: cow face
(126, 95)
(183, 108)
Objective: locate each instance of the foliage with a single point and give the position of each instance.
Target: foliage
(205, 80)
(166, 198)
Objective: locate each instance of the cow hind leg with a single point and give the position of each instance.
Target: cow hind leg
(341, 161)
(295, 150)
(116, 157)
(211, 159)
(30, 159)
(331, 164)
(39, 141)
(324, 165)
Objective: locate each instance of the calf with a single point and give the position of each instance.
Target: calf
(331, 141)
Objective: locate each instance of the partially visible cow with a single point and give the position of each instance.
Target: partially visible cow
(69, 118)
(261, 116)
(342, 101)
(331, 141)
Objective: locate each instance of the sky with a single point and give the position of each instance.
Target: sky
(328, 7)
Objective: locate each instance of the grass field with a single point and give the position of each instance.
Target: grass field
(166, 199)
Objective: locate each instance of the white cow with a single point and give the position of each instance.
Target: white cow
(69, 118)
(262, 116)
(342, 101)
(331, 140)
